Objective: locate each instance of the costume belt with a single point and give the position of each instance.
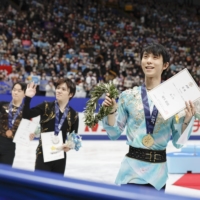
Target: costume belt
(148, 155)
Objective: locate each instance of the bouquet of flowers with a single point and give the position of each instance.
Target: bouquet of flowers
(74, 141)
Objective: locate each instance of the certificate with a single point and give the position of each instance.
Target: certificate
(169, 97)
(25, 128)
(50, 150)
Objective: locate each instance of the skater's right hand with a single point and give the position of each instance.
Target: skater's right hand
(110, 102)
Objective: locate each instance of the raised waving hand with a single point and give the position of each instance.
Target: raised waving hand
(31, 90)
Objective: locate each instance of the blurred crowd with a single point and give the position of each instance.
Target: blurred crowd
(91, 42)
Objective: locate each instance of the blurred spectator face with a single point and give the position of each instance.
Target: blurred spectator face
(55, 78)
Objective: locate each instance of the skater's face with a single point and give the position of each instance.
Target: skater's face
(63, 92)
(17, 93)
(152, 65)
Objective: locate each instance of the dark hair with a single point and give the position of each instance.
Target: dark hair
(156, 49)
(71, 85)
(22, 84)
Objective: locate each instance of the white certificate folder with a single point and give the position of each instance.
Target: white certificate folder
(170, 96)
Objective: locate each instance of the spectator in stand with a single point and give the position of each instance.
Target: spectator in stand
(50, 89)
(86, 36)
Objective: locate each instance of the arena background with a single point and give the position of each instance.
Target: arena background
(91, 172)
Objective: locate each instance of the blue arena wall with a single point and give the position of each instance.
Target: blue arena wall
(79, 105)
(19, 184)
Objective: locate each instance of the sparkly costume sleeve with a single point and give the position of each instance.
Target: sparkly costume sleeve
(115, 131)
(177, 130)
(28, 112)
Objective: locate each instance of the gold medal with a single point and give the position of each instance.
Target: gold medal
(148, 140)
(9, 133)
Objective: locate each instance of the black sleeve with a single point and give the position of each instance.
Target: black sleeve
(75, 124)
(28, 112)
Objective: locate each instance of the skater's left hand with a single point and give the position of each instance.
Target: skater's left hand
(189, 111)
(31, 136)
(65, 148)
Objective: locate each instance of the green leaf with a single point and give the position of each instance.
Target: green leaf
(90, 120)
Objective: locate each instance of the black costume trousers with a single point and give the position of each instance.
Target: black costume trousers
(56, 166)
(7, 150)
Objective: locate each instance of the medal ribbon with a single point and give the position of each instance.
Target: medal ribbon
(150, 118)
(58, 125)
(11, 119)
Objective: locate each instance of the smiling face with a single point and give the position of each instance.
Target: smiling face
(63, 93)
(152, 65)
(154, 59)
